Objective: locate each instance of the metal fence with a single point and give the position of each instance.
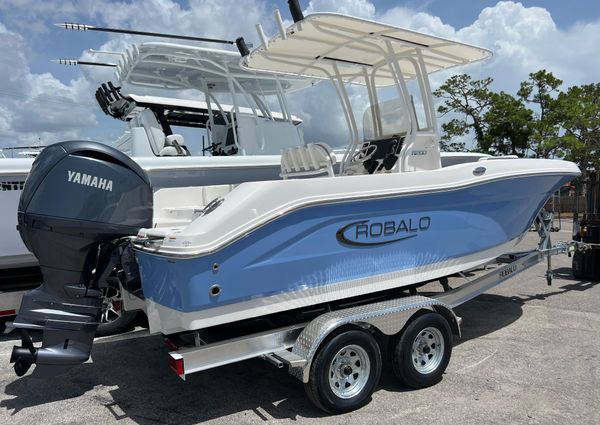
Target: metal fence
(566, 204)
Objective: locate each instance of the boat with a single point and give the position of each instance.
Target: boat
(229, 155)
(391, 216)
(388, 216)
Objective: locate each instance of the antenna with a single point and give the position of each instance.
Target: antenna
(84, 27)
(75, 62)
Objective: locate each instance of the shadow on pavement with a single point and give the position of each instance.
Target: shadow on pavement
(488, 312)
(145, 390)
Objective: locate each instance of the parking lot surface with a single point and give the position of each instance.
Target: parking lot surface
(529, 354)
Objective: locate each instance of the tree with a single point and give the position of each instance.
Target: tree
(509, 124)
(541, 89)
(468, 98)
(579, 112)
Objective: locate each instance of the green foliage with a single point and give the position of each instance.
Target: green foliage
(469, 98)
(579, 112)
(540, 90)
(540, 121)
(509, 126)
(454, 127)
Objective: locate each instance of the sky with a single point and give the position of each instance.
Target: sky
(41, 102)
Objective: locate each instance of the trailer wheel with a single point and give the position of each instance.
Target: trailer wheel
(577, 265)
(114, 319)
(344, 372)
(421, 353)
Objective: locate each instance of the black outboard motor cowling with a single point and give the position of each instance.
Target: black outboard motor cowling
(78, 196)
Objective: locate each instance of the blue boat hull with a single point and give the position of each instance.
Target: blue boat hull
(327, 246)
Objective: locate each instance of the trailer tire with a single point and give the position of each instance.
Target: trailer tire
(421, 353)
(577, 265)
(344, 372)
(114, 319)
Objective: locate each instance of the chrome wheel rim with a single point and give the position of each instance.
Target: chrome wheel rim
(428, 350)
(349, 371)
(112, 308)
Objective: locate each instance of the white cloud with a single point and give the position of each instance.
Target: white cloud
(209, 18)
(523, 39)
(360, 8)
(418, 21)
(38, 107)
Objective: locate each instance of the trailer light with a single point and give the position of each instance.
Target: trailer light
(8, 313)
(176, 363)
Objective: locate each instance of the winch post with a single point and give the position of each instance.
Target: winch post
(544, 220)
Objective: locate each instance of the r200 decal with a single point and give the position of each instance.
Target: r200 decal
(370, 233)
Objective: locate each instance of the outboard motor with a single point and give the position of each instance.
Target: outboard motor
(79, 197)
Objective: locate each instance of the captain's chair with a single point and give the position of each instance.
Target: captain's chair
(160, 144)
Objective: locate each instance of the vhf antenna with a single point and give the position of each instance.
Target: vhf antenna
(84, 27)
(75, 62)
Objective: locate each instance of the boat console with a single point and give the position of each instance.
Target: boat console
(376, 156)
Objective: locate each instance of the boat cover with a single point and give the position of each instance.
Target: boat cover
(314, 45)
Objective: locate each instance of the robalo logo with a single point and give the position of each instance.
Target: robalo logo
(371, 232)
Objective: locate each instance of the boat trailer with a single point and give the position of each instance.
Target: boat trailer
(331, 353)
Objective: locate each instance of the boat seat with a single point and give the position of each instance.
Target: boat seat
(156, 137)
(174, 146)
(307, 160)
(160, 144)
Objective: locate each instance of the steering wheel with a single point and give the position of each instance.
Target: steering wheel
(364, 154)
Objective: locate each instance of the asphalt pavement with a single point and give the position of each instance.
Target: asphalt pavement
(529, 354)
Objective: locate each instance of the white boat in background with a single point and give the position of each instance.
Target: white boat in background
(242, 139)
(21, 151)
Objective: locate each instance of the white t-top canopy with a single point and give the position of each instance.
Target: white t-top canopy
(176, 66)
(315, 45)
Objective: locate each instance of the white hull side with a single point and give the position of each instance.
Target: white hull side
(13, 252)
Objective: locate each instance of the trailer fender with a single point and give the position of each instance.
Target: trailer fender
(389, 317)
(453, 320)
